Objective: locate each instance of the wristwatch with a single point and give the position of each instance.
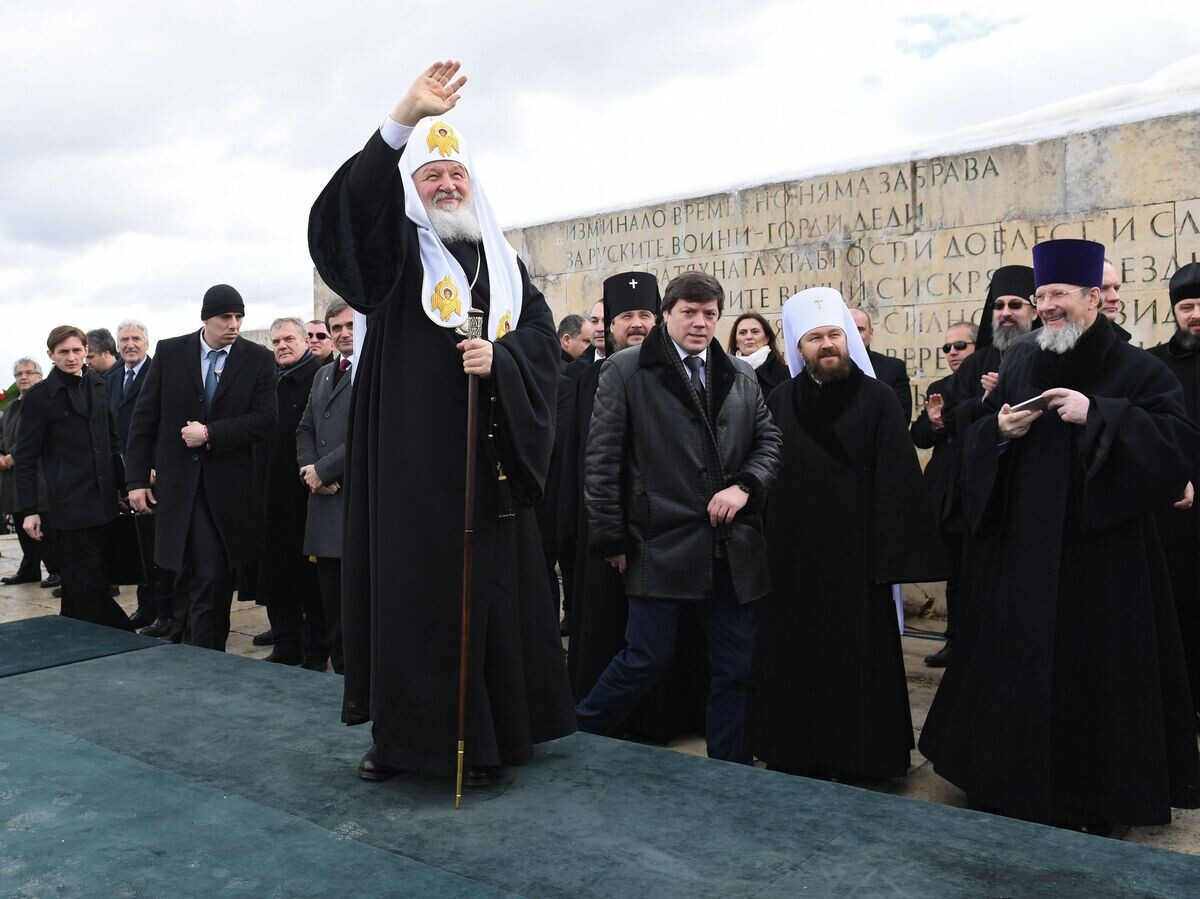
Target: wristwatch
(745, 488)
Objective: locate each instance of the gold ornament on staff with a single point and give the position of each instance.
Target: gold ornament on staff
(474, 330)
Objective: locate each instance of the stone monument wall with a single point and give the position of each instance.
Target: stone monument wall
(914, 243)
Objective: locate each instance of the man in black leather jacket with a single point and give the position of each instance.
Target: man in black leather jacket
(680, 456)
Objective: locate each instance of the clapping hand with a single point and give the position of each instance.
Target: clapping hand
(433, 93)
(989, 381)
(933, 408)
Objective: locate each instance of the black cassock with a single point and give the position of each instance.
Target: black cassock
(675, 704)
(402, 557)
(848, 517)
(1066, 700)
(1180, 528)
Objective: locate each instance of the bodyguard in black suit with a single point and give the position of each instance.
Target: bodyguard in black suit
(208, 399)
(888, 369)
(66, 426)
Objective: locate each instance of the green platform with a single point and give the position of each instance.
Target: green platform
(183, 755)
(50, 641)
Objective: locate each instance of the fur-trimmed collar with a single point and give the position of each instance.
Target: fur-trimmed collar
(658, 351)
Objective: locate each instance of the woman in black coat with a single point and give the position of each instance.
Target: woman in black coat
(753, 338)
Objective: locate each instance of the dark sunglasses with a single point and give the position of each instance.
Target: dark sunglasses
(1014, 305)
(959, 345)
(318, 335)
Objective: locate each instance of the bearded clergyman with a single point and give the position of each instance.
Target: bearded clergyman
(1067, 701)
(848, 517)
(404, 233)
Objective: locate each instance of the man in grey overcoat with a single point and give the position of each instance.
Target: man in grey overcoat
(321, 454)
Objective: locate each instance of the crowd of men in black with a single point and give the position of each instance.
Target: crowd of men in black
(245, 496)
(249, 486)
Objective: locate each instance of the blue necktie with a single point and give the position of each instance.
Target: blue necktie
(694, 364)
(129, 376)
(210, 380)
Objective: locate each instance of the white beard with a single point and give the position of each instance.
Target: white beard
(452, 227)
(1062, 340)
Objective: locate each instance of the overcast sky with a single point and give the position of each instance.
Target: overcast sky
(153, 149)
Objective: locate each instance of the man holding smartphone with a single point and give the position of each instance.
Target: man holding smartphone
(1067, 702)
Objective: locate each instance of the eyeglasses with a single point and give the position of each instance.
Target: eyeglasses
(959, 345)
(1053, 296)
(1014, 305)
(317, 335)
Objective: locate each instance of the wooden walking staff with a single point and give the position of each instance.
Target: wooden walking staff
(474, 329)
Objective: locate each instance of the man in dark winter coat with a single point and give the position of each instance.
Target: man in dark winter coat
(287, 581)
(321, 455)
(208, 400)
(680, 455)
(67, 429)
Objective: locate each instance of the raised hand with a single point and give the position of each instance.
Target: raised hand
(934, 403)
(433, 93)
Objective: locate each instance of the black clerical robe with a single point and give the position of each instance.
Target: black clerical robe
(402, 558)
(848, 517)
(1066, 700)
(600, 609)
(1180, 528)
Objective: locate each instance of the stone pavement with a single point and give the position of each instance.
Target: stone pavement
(1182, 835)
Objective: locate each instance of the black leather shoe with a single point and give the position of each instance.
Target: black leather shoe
(482, 777)
(266, 638)
(52, 580)
(314, 664)
(371, 769)
(939, 658)
(9, 580)
(56, 592)
(160, 628)
(281, 659)
(142, 617)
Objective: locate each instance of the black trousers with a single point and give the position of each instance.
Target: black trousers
(158, 598)
(329, 573)
(298, 627)
(204, 588)
(650, 643)
(33, 553)
(85, 593)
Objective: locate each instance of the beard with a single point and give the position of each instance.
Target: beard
(1187, 339)
(459, 226)
(825, 374)
(1005, 336)
(1062, 340)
